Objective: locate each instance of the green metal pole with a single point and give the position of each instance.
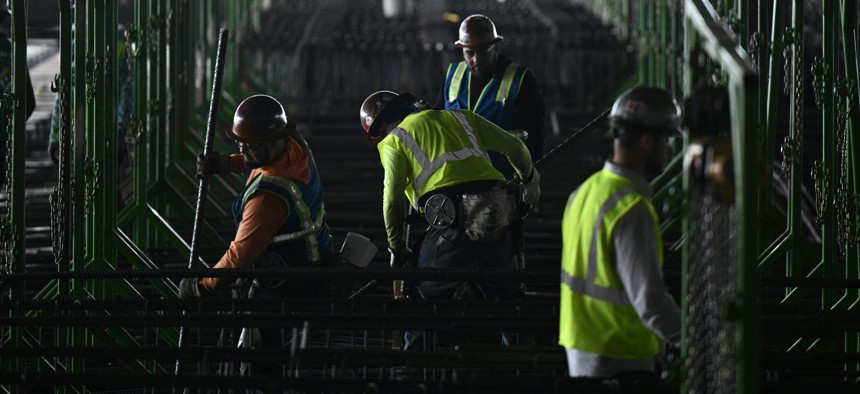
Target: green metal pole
(113, 138)
(774, 81)
(63, 192)
(793, 143)
(850, 43)
(829, 252)
(746, 159)
(642, 41)
(14, 221)
(79, 334)
(852, 73)
(96, 139)
(142, 105)
(686, 222)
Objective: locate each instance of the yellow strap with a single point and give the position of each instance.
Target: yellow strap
(456, 79)
(507, 82)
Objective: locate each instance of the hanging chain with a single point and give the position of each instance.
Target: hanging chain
(58, 194)
(787, 42)
(845, 203)
(756, 41)
(7, 233)
(133, 129)
(154, 25)
(820, 71)
(108, 66)
(821, 179)
(92, 79)
(92, 173)
(794, 73)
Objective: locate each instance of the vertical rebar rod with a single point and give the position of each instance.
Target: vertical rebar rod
(207, 149)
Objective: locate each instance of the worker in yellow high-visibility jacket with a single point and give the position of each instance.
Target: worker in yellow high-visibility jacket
(615, 309)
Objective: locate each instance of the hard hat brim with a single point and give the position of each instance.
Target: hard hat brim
(286, 131)
(404, 97)
(460, 44)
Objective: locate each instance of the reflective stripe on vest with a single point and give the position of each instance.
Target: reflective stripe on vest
(507, 81)
(456, 81)
(303, 213)
(429, 167)
(588, 286)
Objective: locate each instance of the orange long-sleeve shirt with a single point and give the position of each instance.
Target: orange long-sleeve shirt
(264, 213)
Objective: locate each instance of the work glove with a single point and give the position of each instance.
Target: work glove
(54, 151)
(531, 192)
(400, 257)
(188, 288)
(213, 164)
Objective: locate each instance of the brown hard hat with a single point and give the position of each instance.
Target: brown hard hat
(477, 31)
(260, 118)
(375, 104)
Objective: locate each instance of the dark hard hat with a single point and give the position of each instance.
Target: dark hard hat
(477, 31)
(260, 118)
(375, 104)
(647, 107)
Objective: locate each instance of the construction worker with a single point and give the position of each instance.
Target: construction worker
(439, 160)
(615, 308)
(494, 87)
(280, 214)
(6, 86)
(501, 91)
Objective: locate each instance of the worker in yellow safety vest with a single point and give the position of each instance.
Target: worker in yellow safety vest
(439, 160)
(615, 309)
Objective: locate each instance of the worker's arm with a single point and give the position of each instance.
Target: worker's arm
(531, 107)
(393, 204)
(634, 245)
(263, 216)
(494, 138)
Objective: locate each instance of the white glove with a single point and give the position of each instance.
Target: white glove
(531, 192)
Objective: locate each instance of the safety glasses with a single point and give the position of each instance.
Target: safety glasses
(246, 146)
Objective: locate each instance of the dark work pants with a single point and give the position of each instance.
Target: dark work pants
(450, 247)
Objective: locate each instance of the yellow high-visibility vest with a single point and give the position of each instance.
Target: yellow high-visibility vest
(596, 315)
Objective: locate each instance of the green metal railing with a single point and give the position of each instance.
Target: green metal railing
(94, 227)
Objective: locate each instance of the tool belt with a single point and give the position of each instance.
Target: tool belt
(485, 216)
